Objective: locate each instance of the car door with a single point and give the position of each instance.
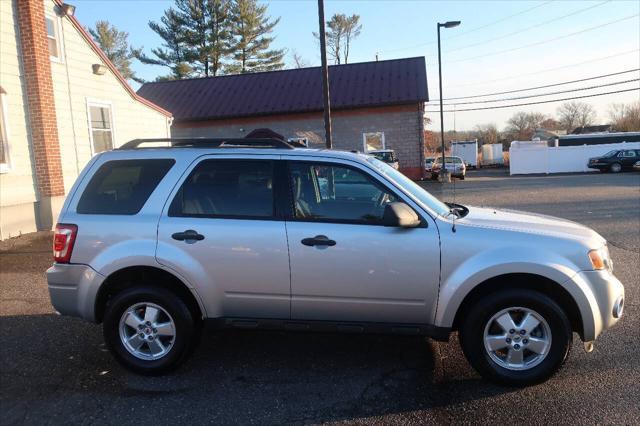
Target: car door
(629, 158)
(347, 266)
(222, 231)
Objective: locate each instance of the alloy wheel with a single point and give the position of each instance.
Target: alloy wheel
(517, 338)
(147, 331)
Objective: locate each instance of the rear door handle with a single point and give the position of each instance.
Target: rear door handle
(318, 240)
(190, 236)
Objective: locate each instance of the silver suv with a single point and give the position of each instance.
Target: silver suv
(254, 234)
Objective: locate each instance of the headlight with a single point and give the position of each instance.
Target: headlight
(600, 259)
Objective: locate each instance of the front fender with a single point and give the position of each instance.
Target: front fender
(484, 266)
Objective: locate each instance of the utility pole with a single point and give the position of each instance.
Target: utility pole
(325, 76)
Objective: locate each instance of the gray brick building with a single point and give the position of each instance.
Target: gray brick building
(374, 105)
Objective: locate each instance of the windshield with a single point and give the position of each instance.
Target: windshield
(611, 153)
(411, 187)
(387, 157)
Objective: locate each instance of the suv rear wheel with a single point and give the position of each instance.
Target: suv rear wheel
(149, 330)
(516, 338)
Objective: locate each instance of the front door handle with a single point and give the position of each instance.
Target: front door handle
(318, 240)
(190, 236)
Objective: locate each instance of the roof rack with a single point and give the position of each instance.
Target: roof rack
(209, 143)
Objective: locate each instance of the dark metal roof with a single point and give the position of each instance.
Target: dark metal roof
(358, 85)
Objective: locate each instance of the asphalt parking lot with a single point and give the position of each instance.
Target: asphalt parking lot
(55, 369)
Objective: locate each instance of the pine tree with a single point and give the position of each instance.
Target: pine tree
(197, 38)
(115, 45)
(174, 54)
(251, 29)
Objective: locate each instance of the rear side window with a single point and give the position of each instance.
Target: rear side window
(227, 188)
(122, 187)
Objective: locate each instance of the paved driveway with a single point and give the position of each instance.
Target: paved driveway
(55, 369)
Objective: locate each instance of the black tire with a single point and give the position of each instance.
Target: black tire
(434, 176)
(471, 335)
(615, 168)
(462, 177)
(186, 329)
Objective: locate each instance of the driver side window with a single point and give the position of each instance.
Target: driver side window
(336, 193)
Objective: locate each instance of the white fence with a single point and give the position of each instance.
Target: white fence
(539, 158)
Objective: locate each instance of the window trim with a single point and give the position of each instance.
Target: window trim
(364, 141)
(101, 104)
(6, 166)
(278, 176)
(291, 217)
(57, 27)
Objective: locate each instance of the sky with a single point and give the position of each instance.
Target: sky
(500, 46)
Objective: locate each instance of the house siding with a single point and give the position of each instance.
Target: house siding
(17, 185)
(402, 127)
(72, 83)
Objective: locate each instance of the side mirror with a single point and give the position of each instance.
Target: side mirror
(400, 215)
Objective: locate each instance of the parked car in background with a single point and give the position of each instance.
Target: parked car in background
(454, 165)
(428, 163)
(388, 156)
(615, 161)
(256, 234)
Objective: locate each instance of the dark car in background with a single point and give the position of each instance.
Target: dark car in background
(615, 161)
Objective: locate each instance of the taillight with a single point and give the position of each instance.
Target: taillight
(63, 239)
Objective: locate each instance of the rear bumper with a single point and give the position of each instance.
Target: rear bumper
(605, 307)
(73, 289)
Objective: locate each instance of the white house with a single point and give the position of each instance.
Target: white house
(61, 101)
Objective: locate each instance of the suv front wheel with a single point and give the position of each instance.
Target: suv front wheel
(149, 330)
(516, 338)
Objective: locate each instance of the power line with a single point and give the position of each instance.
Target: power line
(506, 18)
(545, 70)
(539, 87)
(467, 32)
(539, 102)
(546, 94)
(499, 52)
(522, 30)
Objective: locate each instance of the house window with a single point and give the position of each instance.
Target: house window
(53, 38)
(4, 139)
(101, 127)
(373, 141)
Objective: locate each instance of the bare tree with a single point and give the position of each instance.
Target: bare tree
(298, 60)
(625, 118)
(487, 133)
(352, 29)
(522, 124)
(575, 114)
(341, 30)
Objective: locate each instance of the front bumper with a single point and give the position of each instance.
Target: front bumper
(73, 289)
(606, 302)
(598, 166)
